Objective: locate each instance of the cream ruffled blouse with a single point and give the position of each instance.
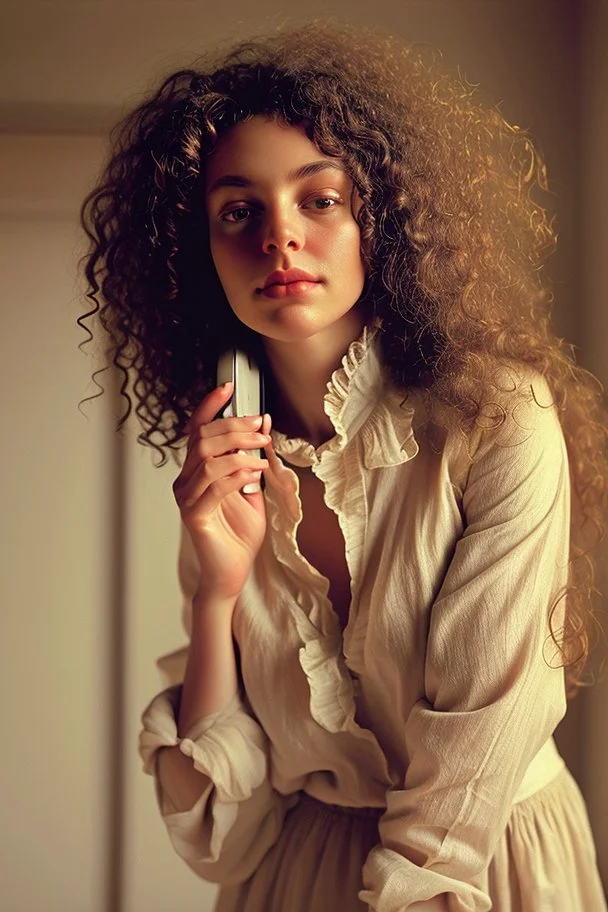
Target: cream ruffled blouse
(439, 700)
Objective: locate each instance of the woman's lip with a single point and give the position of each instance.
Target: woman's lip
(289, 289)
(287, 276)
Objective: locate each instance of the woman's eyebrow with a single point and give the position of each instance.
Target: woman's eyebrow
(237, 180)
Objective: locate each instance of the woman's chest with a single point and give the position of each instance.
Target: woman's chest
(384, 557)
(321, 541)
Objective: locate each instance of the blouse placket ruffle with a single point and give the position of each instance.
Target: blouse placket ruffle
(373, 429)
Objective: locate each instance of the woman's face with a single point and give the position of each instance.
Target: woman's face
(284, 240)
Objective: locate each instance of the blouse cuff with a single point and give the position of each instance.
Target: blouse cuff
(228, 746)
(390, 878)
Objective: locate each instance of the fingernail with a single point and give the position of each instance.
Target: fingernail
(252, 487)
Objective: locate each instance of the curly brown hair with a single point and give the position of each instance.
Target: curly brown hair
(453, 236)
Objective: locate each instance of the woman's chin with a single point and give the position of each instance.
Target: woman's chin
(297, 326)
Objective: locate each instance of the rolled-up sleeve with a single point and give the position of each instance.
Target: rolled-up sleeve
(494, 688)
(226, 830)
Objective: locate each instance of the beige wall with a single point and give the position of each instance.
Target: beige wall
(56, 521)
(89, 531)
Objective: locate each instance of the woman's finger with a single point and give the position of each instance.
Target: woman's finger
(266, 424)
(243, 425)
(202, 507)
(205, 448)
(188, 488)
(210, 405)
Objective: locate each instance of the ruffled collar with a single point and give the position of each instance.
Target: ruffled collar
(359, 399)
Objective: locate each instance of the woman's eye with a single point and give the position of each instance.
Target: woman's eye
(245, 213)
(240, 214)
(323, 202)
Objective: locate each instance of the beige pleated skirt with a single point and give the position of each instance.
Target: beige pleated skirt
(545, 861)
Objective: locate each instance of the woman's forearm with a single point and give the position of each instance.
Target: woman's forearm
(210, 680)
(210, 683)
(179, 780)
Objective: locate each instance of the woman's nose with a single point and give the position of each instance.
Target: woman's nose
(281, 232)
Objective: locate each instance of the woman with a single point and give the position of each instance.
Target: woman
(379, 641)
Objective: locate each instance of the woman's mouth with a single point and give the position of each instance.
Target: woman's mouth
(289, 289)
(289, 283)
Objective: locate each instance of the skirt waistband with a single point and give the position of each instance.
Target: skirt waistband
(369, 812)
(545, 766)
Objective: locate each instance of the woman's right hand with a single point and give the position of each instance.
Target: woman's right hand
(227, 527)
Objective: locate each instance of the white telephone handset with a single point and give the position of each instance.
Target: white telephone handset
(238, 367)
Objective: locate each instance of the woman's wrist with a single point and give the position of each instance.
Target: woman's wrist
(207, 603)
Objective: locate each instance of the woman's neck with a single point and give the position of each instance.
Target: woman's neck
(300, 372)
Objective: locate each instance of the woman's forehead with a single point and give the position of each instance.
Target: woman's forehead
(265, 146)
